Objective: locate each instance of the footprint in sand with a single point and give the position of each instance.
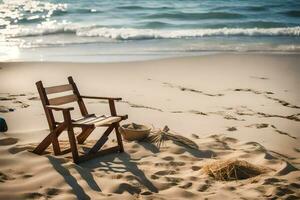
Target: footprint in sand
(4, 109)
(34, 195)
(295, 185)
(153, 176)
(8, 141)
(196, 168)
(14, 150)
(177, 111)
(5, 177)
(231, 129)
(259, 126)
(52, 191)
(186, 185)
(176, 164)
(165, 172)
(128, 188)
(146, 193)
(27, 176)
(229, 139)
(229, 188)
(203, 187)
(7, 98)
(279, 191)
(22, 104)
(168, 158)
(34, 98)
(174, 180)
(271, 181)
(285, 133)
(169, 164)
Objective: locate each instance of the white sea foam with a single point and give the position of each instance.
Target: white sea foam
(130, 33)
(52, 27)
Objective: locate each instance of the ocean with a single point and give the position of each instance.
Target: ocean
(124, 30)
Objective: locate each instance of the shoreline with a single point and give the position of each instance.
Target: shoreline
(131, 57)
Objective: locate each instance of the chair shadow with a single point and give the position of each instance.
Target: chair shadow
(111, 163)
(117, 163)
(149, 146)
(197, 152)
(194, 152)
(77, 189)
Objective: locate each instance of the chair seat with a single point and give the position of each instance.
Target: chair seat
(97, 120)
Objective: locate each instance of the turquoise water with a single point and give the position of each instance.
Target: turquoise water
(113, 30)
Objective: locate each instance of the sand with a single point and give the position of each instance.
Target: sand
(236, 106)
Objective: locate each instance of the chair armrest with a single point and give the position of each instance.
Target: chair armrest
(105, 98)
(59, 108)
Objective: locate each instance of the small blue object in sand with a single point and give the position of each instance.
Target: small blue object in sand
(3, 125)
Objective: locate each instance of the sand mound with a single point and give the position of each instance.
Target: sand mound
(8, 141)
(227, 170)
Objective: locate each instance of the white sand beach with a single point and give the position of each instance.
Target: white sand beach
(234, 106)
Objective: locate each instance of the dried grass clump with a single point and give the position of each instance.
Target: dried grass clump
(228, 170)
(161, 136)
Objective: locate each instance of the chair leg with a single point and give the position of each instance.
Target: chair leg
(84, 134)
(71, 135)
(119, 137)
(55, 143)
(48, 140)
(73, 144)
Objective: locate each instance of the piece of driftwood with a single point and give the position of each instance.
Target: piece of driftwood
(88, 122)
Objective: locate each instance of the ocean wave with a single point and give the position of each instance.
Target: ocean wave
(45, 28)
(84, 11)
(196, 16)
(140, 34)
(136, 34)
(292, 13)
(157, 24)
(246, 8)
(256, 8)
(143, 8)
(253, 24)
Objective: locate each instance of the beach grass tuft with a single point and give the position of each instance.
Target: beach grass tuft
(160, 136)
(232, 169)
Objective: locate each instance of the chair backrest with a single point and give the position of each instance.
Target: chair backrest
(74, 97)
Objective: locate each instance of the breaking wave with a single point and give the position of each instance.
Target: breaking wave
(140, 34)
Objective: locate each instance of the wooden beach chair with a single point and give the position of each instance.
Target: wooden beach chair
(87, 123)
